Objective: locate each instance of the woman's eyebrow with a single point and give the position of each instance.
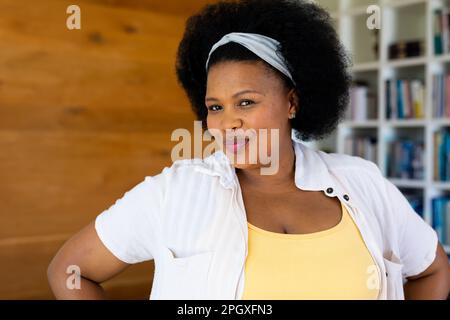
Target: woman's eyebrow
(236, 94)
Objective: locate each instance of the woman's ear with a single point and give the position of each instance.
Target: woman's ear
(294, 101)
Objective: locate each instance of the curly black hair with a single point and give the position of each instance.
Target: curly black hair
(316, 58)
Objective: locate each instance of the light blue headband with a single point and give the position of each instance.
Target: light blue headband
(264, 47)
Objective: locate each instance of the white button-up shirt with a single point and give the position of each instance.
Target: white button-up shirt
(191, 220)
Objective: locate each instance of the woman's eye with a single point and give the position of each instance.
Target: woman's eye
(243, 103)
(214, 108)
(247, 101)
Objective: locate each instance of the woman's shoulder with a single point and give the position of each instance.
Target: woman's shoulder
(364, 179)
(357, 173)
(194, 168)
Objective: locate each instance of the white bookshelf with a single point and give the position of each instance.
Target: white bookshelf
(400, 20)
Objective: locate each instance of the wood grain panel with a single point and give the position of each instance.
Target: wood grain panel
(85, 115)
(177, 7)
(101, 26)
(55, 182)
(23, 273)
(125, 82)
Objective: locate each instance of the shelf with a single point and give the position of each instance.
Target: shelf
(406, 123)
(441, 122)
(403, 3)
(442, 185)
(441, 58)
(366, 66)
(407, 62)
(402, 20)
(360, 124)
(407, 183)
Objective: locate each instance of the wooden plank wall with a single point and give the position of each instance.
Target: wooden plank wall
(84, 116)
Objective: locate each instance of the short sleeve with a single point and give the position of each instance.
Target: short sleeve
(417, 239)
(129, 227)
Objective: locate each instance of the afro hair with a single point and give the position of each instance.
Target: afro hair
(310, 45)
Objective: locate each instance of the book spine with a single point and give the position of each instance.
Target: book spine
(447, 96)
(445, 33)
(437, 218)
(447, 224)
(442, 156)
(388, 99)
(436, 142)
(394, 102)
(399, 99)
(437, 31)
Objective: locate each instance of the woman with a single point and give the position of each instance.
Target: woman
(321, 226)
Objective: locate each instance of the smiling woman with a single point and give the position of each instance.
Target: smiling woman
(322, 226)
(315, 60)
(262, 63)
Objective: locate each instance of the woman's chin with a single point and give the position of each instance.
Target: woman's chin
(240, 164)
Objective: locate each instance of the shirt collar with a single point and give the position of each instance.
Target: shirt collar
(311, 172)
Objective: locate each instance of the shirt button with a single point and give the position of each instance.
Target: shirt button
(346, 197)
(329, 190)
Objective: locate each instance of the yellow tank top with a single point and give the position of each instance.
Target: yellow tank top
(330, 264)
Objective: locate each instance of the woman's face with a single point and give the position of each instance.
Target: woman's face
(248, 95)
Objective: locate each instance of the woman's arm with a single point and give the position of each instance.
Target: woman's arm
(433, 283)
(96, 263)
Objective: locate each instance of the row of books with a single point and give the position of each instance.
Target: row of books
(405, 159)
(363, 103)
(364, 147)
(441, 218)
(405, 99)
(441, 96)
(441, 165)
(441, 30)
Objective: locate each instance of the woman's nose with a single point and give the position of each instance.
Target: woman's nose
(232, 122)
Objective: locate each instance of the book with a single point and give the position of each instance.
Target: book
(364, 147)
(445, 31)
(405, 99)
(400, 99)
(405, 159)
(436, 143)
(418, 98)
(441, 30)
(363, 105)
(437, 32)
(440, 213)
(441, 96)
(441, 164)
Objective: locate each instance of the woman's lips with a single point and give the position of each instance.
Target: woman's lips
(236, 144)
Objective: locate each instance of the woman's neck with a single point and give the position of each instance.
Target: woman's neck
(280, 182)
